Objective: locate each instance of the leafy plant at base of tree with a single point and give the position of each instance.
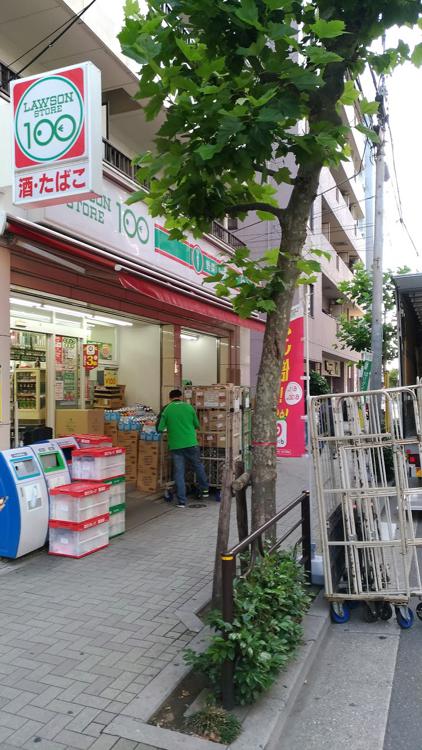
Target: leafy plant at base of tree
(215, 724)
(233, 81)
(355, 333)
(266, 631)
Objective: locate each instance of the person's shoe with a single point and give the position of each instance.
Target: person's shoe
(205, 493)
(181, 505)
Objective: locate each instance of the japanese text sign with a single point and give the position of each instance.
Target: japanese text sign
(57, 146)
(90, 356)
(291, 401)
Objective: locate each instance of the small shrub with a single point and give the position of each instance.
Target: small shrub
(269, 606)
(318, 384)
(214, 723)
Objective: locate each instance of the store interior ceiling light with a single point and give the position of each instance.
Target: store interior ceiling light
(189, 337)
(63, 311)
(23, 302)
(29, 315)
(113, 321)
(64, 322)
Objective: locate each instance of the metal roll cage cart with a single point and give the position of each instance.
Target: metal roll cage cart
(369, 546)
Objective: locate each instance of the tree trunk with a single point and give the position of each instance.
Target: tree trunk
(294, 229)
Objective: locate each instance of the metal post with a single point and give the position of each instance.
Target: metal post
(306, 533)
(377, 298)
(228, 569)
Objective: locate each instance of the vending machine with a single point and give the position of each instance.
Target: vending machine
(53, 463)
(23, 503)
(67, 444)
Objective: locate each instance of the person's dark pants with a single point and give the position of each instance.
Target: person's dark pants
(179, 458)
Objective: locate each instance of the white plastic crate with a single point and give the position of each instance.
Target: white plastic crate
(117, 488)
(94, 441)
(79, 501)
(117, 520)
(78, 542)
(98, 463)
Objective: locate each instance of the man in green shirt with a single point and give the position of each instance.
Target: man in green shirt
(181, 422)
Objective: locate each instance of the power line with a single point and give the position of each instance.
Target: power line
(397, 196)
(69, 25)
(323, 192)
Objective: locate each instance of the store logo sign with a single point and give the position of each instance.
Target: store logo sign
(57, 147)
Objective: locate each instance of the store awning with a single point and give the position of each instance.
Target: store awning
(172, 298)
(171, 294)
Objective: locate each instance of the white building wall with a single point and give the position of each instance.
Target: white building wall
(139, 364)
(199, 360)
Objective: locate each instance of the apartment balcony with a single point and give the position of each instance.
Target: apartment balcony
(350, 174)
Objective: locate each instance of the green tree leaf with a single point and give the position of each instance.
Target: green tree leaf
(321, 56)
(416, 55)
(350, 93)
(328, 29)
(371, 134)
(368, 108)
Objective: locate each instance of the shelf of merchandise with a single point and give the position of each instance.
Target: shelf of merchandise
(29, 387)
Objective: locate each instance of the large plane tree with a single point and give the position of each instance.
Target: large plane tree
(243, 85)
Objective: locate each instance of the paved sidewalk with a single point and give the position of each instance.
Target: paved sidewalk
(80, 639)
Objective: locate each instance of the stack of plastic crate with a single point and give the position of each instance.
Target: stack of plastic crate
(79, 519)
(117, 487)
(108, 466)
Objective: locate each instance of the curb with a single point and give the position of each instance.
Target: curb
(262, 724)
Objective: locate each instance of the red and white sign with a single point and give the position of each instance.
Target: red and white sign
(57, 146)
(90, 356)
(291, 400)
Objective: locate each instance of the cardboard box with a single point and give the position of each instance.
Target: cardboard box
(79, 422)
(110, 429)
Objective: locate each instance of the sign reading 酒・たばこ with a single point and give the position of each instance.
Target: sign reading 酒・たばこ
(57, 147)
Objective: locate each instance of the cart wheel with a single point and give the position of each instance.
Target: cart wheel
(217, 496)
(168, 496)
(404, 617)
(340, 612)
(369, 614)
(384, 610)
(419, 610)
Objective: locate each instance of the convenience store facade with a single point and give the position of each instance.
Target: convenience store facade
(103, 272)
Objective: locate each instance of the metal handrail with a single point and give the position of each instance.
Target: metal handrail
(255, 542)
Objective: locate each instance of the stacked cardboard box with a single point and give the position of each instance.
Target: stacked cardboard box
(221, 397)
(129, 440)
(111, 430)
(79, 421)
(149, 454)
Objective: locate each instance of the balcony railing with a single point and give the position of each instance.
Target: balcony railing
(225, 235)
(6, 75)
(124, 164)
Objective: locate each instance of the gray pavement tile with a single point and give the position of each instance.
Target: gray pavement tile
(105, 742)
(39, 743)
(74, 739)
(22, 735)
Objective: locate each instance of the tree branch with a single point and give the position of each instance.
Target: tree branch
(240, 208)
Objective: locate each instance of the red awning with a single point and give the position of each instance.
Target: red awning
(173, 298)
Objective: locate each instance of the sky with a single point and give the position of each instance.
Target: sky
(404, 89)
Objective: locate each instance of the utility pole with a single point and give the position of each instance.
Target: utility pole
(377, 269)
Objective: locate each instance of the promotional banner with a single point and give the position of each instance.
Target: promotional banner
(291, 400)
(90, 356)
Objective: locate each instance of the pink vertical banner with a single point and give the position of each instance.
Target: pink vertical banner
(291, 400)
